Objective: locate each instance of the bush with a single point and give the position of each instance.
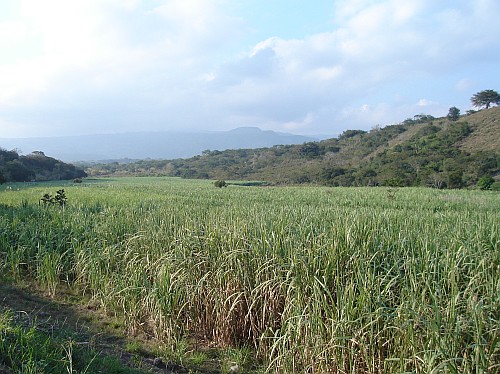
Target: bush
(485, 183)
(60, 199)
(220, 183)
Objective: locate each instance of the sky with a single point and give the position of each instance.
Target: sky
(300, 66)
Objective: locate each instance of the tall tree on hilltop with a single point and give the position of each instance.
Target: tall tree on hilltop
(453, 114)
(485, 98)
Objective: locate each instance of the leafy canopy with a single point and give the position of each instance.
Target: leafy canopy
(453, 114)
(485, 98)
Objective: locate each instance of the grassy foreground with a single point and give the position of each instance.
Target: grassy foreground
(340, 280)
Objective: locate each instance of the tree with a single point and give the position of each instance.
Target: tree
(455, 179)
(16, 171)
(485, 98)
(310, 150)
(351, 133)
(453, 114)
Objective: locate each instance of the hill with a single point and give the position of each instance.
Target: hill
(35, 166)
(156, 145)
(421, 151)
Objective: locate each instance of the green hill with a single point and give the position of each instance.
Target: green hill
(35, 166)
(422, 151)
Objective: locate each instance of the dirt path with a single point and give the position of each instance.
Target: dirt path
(103, 333)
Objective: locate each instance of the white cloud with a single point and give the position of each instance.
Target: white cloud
(97, 40)
(299, 125)
(425, 102)
(178, 61)
(377, 44)
(54, 37)
(11, 33)
(208, 77)
(325, 73)
(193, 16)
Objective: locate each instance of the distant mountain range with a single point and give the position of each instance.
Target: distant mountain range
(155, 145)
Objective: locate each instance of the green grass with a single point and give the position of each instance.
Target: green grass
(27, 346)
(312, 279)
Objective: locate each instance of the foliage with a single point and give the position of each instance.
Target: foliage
(32, 347)
(351, 133)
(35, 166)
(28, 350)
(485, 183)
(17, 171)
(485, 98)
(419, 118)
(59, 199)
(310, 150)
(455, 179)
(423, 151)
(453, 114)
(220, 183)
(313, 279)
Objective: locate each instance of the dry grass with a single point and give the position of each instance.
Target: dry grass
(486, 125)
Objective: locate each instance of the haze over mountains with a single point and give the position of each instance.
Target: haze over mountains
(155, 145)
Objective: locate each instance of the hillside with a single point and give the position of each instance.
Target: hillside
(35, 166)
(422, 151)
(485, 135)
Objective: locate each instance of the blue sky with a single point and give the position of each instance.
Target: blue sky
(306, 67)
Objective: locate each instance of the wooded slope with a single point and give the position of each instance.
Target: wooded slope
(423, 151)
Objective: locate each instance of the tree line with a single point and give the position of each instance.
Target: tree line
(35, 166)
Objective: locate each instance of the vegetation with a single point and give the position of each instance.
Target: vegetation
(453, 114)
(485, 98)
(59, 199)
(220, 183)
(486, 183)
(35, 166)
(292, 279)
(420, 151)
(30, 346)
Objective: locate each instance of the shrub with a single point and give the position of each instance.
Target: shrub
(60, 198)
(220, 183)
(485, 183)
